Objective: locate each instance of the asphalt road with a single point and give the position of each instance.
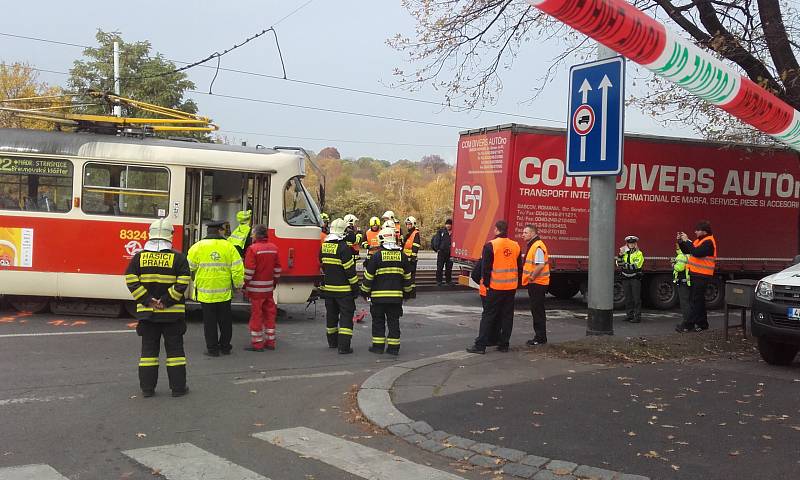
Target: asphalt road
(69, 394)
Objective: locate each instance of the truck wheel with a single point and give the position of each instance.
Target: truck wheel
(715, 294)
(619, 295)
(662, 292)
(776, 353)
(563, 289)
(25, 303)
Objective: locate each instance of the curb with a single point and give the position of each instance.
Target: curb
(375, 402)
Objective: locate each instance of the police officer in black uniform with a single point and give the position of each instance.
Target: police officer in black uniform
(387, 281)
(157, 278)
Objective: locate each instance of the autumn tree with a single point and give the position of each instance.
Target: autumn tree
(462, 46)
(329, 152)
(144, 76)
(434, 164)
(17, 81)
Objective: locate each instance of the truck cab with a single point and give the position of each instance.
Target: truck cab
(776, 315)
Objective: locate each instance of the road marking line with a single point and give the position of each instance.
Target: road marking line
(351, 457)
(49, 334)
(278, 378)
(184, 461)
(30, 472)
(52, 398)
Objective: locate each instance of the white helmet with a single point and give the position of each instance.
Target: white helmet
(161, 229)
(389, 224)
(412, 221)
(350, 219)
(389, 214)
(338, 226)
(386, 235)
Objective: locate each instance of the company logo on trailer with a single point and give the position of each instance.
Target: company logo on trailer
(133, 247)
(470, 199)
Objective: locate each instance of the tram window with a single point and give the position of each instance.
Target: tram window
(298, 207)
(43, 185)
(125, 190)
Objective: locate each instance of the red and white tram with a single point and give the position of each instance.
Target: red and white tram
(75, 207)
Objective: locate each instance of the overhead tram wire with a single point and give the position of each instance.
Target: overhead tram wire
(318, 84)
(337, 140)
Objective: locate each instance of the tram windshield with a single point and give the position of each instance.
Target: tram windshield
(298, 207)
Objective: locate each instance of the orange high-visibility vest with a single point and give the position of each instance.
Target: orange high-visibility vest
(373, 242)
(504, 267)
(411, 241)
(527, 270)
(703, 265)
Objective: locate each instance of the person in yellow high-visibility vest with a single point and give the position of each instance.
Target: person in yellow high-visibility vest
(240, 236)
(630, 261)
(536, 277)
(218, 270)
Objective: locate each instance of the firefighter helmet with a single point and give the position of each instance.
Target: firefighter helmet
(374, 222)
(325, 217)
(389, 224)
(338, 226)
(386, 235)
(161, 229)
(350, 219)
(412, 221)
(389, 214)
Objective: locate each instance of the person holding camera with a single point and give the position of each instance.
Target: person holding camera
(701, 263)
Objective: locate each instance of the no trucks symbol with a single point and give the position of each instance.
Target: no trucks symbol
(583, 120)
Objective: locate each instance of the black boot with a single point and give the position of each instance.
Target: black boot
(148, 377)
(177, 378)
(393, 350)
(377, 348)
(344, 344)
(333, 340)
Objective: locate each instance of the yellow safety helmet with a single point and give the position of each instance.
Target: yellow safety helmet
(374, 222)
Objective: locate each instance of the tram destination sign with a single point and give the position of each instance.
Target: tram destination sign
(35, 166)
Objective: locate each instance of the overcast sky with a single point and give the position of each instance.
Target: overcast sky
(339, 42)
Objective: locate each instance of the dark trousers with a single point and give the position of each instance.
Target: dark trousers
(386, 315)
(633, 297)
(414, 277)
(684, 297)
(536, 294)
(499, 310)
(339, 313)
(218, 316)
(697, 300)
(444, 267)
(151, 333)
(494, 333)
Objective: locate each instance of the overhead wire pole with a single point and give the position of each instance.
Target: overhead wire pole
(602, 225)
(117, 106)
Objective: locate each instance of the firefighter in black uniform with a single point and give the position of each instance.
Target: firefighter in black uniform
(387, 281)
(157, 278)
(339, 287)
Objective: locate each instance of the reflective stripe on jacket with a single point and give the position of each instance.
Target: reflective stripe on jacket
(679, 269)
(505, 271)
(262, 268)
(703, 265)
(218, 269)
(543, 278)
(387, 278)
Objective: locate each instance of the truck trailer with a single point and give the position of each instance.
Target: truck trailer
(750, 194)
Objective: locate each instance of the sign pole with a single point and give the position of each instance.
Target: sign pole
(602, 219)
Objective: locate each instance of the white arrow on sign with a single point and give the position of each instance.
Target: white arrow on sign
(585, 89)
(605, 84)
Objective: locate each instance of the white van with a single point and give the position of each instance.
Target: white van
(776, 315)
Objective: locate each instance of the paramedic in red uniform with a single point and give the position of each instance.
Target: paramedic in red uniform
(262, 268)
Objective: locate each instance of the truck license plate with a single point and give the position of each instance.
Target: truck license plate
(793, 313)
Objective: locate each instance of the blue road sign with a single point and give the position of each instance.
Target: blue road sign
(595, 125)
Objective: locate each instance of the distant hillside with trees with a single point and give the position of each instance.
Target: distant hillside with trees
(367, 187)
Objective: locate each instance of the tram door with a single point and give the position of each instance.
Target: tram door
(219, 195)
